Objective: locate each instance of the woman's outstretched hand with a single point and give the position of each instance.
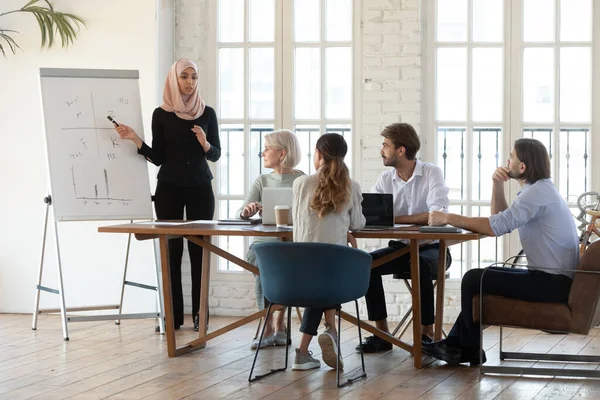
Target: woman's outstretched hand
(126, 132)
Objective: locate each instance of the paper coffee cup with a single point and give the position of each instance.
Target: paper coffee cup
(282, 214)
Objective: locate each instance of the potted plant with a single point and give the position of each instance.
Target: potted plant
(53, 25)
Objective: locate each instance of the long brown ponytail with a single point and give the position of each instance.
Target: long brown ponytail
(333, 189)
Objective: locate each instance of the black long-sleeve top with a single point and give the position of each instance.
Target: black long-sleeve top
(176, 149)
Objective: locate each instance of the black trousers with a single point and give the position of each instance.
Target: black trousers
(312, 318)
(428, 264)
(199, 203)
(516, 283)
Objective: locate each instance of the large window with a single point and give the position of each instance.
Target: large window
(501, 70)
(280, 64)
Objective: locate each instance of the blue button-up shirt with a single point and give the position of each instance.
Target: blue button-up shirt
(546, 228)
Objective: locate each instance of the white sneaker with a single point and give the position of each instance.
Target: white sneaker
(281, 338)
(328, 344)
(266, 342)
(303, 363)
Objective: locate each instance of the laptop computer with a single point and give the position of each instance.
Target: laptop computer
(378, 209)
(273, 196)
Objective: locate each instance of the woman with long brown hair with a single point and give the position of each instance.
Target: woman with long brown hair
(326, 205)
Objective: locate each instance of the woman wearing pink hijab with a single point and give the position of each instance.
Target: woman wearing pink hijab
(185, 133)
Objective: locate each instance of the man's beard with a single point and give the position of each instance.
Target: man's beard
(515, 175)
(388, 162)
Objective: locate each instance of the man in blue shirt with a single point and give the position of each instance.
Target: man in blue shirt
(548, 236)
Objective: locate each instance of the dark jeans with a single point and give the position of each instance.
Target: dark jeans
(428, 264)
(516, 283)
(199, 203)
(312, 318)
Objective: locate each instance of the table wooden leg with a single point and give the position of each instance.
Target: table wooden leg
(441, 285)
(204, 288)
(167, 295)
(416, 301)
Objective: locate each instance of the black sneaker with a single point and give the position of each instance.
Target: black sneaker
(374, 344)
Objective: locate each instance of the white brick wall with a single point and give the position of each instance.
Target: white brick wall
(391, 92)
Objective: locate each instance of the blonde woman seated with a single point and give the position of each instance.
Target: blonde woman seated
(282, 154)
(326, 205)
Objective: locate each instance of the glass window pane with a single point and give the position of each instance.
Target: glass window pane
(538, 20)
(338, 82)
(575, 20)
(339, 20)
(231, 83)
(487, 250)
(262, 20)
(307, 20)
(574, 168)
(487, 146)
(452, 20)
(232, 159)
(262, 83)
(575, 84)
(231, 244)
(451, 158)
(231, 20)
(257, 145)
(307, 83)
(538, 85)
(307, 136)
(488, 84)
(451, 85)
(487, 20)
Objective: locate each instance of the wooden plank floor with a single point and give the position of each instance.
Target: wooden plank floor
(129, 361)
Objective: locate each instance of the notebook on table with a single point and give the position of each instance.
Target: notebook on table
(440, 229)
(239, 221)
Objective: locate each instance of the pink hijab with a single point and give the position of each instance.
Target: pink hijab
(183, 106)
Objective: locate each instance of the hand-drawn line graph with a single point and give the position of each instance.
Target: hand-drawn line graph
(96, 192)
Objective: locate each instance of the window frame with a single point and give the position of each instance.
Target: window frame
(284, 76)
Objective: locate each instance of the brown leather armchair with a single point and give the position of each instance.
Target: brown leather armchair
(578, 316)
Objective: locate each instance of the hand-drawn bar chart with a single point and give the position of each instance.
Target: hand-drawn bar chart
(94, 174)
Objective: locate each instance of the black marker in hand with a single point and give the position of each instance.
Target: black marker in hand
(112, 120)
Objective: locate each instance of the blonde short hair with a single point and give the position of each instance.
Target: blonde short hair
(284, 139)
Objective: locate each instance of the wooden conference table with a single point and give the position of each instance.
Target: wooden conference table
(202, 233)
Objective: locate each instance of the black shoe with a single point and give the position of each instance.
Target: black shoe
(471, 357)
(426, 339)
(441, 351)
(374, 344)
(196, 323)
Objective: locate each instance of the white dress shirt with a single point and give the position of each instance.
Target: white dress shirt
(425, 191)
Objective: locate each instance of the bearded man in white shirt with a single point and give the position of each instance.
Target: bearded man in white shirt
(418, 188)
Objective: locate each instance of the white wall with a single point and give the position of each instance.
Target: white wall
(119, 35)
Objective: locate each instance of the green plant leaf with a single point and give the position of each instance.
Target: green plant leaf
(11, 43)
(52, 23)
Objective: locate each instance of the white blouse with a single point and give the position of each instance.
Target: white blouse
(333, 228)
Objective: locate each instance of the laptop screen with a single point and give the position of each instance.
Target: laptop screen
(378, 209)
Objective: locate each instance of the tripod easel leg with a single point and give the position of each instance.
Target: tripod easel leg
(61, 289)
(36, 307)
